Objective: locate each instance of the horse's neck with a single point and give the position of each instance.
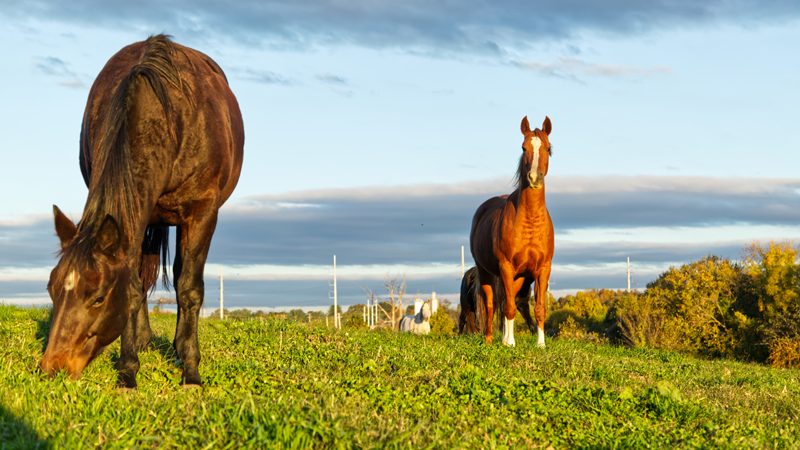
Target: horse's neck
(531, 203)
(130, 207)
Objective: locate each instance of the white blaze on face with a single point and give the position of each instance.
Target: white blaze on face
(508, 332)
(70, 281)
(537, 144)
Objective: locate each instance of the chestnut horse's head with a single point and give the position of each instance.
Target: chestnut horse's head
(536, 151)
(89, 289)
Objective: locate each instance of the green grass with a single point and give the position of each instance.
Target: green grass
(272, 383)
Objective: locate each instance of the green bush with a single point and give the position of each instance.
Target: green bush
(570, 329)
(785, 352)
(643, 323)
(713, 307)
(696, 299)
(355, 321)
(442, 323)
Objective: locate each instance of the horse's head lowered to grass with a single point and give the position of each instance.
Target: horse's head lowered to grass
(89, 289)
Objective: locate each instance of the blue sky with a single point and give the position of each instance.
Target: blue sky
(374, 129)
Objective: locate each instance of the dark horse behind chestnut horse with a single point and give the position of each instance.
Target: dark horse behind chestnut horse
(512, 237)
(473, 306)
(161, 144)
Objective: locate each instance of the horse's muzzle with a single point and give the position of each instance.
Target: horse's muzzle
(536, 183)
(51, 365)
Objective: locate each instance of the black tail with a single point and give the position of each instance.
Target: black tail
(155, 249)
(467, 320)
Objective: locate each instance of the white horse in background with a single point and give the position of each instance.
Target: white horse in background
(418, 323)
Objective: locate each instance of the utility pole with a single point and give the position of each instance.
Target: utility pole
(221, 296)
(629, 274)
(336, 323)
(462, 261)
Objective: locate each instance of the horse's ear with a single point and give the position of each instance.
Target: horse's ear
(108, 236)
(525, 127)
(546, 125)
(65, 229)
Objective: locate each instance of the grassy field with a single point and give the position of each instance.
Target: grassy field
(272, 383)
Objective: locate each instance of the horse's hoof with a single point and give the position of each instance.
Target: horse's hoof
(192, 387)
(540, 345)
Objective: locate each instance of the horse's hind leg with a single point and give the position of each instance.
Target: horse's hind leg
(488, 298)
(154, 243)
(194, 240)
(524, 305)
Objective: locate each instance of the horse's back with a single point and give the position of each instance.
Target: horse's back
(202, 132)
(484, 223)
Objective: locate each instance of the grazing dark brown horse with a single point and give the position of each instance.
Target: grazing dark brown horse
(512, 236)
(473, 305)
(161, 144)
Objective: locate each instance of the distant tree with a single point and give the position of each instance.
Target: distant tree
(355, 321)
(396, 290)
(770, 303)
(238, 314)
(330, 310)
(297, 315)
(697, 299)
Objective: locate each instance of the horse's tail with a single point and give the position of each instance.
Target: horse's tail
(155, 248)
(467, 320)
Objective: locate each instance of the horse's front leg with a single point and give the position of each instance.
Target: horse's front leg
(194, 239)
(128, 363)
(510, 288)
(540, 309)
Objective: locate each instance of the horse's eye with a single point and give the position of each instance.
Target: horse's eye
(98, 301)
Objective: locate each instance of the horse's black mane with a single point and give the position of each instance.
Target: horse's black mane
(114, 192)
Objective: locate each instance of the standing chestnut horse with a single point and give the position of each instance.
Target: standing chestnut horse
(512, 236)
(161, 144)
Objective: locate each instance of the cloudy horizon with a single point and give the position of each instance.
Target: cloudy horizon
(278, 247)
